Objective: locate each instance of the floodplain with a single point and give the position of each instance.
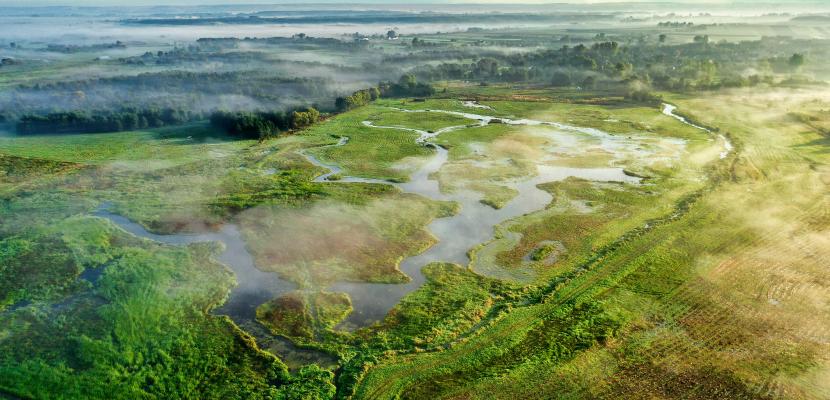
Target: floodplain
(557, 210)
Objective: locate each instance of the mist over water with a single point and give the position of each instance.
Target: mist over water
(474, 224)
(456, 235)
(254, 286)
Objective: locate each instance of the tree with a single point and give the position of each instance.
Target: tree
(340, 104)
(407, 85)
(561, 79)
(583, 62)
(589, 82)
(302, 119)
(796, 60)
(663, 38)
(487, 67)
(407, 80)
(608, 47)
(708, 72)
(358, 98)
(623, 69)
(391, 34)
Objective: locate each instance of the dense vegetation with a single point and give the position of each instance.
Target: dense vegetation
(406, 86)
(91, 342)
(103, 121)
(193, 92)
(262, 125)
(694, 66)
(645, 271)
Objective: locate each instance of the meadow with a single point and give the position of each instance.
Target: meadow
(621, 274)
(648, 311)
(607, 207)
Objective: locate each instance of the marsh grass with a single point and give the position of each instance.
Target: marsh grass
(704, 300)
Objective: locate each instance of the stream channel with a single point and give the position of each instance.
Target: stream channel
(456, 235)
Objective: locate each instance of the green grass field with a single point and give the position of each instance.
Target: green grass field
(670, 288)
(672, 307)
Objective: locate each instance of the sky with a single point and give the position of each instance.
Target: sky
(214, 2)
(81, 3)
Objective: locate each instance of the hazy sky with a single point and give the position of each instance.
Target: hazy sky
(767, 3)
(198, 2)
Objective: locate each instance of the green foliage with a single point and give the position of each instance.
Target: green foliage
(263, 125)
(244, 124)
(702, 39)
(357, 99)
(331, 308)
(561, 79)
(543, 252)
(300, 314)
(24, 274)
(241, 190)
(370, 152)
(164, 147)
(141, 332)
(21, 172)
(288, 315)
(306, 118)
(150, 94)
(796, 60)
(407, 86)
(452, 300)
(102, 121)
(310, 383)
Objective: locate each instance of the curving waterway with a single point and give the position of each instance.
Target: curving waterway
(669, 109)
(474, 224)
(254, 286)
(456, 235)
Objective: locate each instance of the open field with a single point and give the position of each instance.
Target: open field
(370, 154)
(610, 283)
(652, 310)
(403, 201)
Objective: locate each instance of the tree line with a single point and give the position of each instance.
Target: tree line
(263, 124)
(697, 65)
(406, 86)
(103, 121)
(195, 91)
(243, 124)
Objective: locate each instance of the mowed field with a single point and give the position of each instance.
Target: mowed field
(724, 297)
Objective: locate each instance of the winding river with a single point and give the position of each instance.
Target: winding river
(669, 109)
(474, 224)
(254, 286)
(455, 235)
